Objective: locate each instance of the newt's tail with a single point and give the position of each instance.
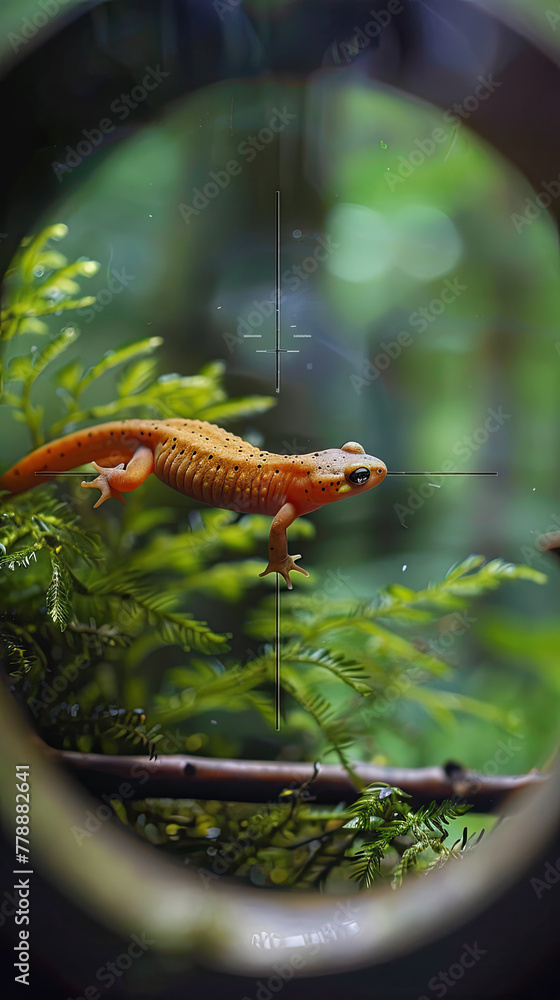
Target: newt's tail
(107, 444)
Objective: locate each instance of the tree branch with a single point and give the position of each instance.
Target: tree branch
(182, 776)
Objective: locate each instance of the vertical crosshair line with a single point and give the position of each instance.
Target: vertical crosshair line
(277, 346)
(277, 289)
(277, 650)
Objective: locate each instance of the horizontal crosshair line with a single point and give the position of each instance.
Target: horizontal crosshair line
(442, 473)
(54, 472)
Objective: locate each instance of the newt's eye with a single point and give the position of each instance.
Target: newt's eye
(359, 476)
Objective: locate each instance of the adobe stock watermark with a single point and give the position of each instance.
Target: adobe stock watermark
(95, 818)
(31, 25)
(454, 117)
(169, 742)
(236, 850)
(121, 108)
(108, 974)
(51, 690)
(343, 923)
(464, 448)
(11, 906)
(553, 17)
(291, 281)
(332, 583)
(550, 876)
(248, 149)
(419, 320)
(117, 282)
(440, 984)
(362, 37)
(224, 7)
(458, 623)
(504, 753)
(539, 553)
(535, 206)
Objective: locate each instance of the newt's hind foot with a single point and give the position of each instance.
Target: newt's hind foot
(103, 483)
(284, 567)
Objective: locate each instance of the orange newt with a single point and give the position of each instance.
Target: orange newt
(208, 464)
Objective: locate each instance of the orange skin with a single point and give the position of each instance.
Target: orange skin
(208, 464)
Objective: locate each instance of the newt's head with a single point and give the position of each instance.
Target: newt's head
(361, 472)
(342, 472)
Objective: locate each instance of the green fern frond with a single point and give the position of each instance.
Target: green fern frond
(408, 859)
(383, 815)
(322, 712)
(159, 609)
(110, 727)
(20, 657)
(58, 593)
(20, 558)
(202, 690)
(366, 865)
(348, 671)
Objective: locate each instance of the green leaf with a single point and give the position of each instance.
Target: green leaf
(42, 309)
(53, 349)
(228, 581)
(34, 246)
(137, 377)
(69, 376)
(50, 258)
(233, 409)
(116, 357)
(19, 368)
(33, 325)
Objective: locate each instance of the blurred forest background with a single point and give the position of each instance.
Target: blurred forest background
(390, 219)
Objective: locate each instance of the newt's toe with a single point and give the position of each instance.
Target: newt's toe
(284, 568)
(102, 483)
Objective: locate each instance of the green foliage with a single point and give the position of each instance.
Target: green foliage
(390, 822)
(278, 845)
(39, 283)
(371, 646)
(55, 572)
(295, 844)
(103, 727)
(108, 644)
(42, 282)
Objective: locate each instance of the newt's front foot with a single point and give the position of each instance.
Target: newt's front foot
(284, 567)
(103, 483)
